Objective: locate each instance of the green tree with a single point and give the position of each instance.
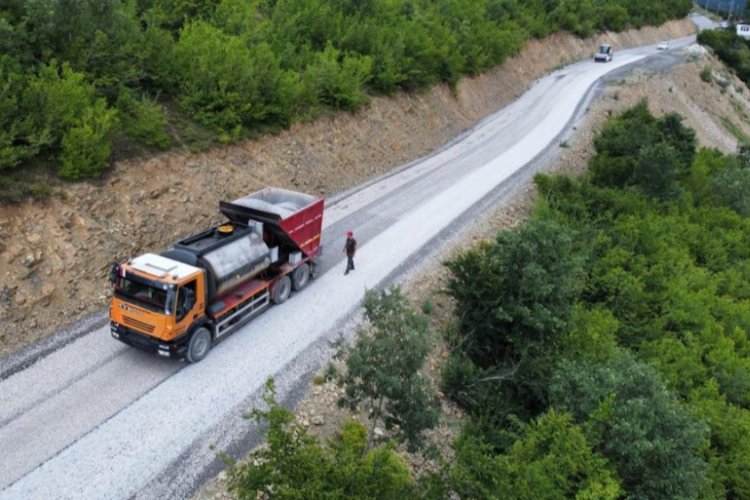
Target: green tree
(62, 95)
(729, 455)
(731, 187)
(383, 367)
(637, 424)
(655, 171)
(21, 133)
(515, 295)
(295, 465)
(637, 148)
(514, 300)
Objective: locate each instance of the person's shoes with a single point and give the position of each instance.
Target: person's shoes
(347, 272)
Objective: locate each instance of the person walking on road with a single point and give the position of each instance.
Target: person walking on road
(350, 247)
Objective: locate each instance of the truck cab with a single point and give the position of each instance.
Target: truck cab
(155, 301)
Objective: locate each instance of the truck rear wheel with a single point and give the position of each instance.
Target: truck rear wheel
(300, 277)
(200, 344)
(282, 290)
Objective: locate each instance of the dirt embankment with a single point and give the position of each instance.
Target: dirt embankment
(55, 255)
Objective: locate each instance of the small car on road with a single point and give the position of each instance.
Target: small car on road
(605, 53)
(663, 45)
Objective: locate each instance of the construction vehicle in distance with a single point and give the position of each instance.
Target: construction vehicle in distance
(605, 54)
(180, 302)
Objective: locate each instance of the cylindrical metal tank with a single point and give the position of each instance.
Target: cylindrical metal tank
(236, 261)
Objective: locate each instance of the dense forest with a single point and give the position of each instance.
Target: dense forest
(83, 79)
(617, 321)
(599, 350)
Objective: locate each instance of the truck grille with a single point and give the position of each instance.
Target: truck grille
(138, 325)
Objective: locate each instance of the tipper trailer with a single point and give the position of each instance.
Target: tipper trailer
(180, 302)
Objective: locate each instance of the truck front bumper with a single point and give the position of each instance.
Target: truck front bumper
(168, 349)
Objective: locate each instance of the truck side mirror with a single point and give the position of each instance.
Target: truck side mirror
(186, 304)
(113, 273)
(189, 299)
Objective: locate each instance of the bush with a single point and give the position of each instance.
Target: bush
(637, 148)
(227, 85)
(295, 465)
(86, 146)
(338, 80)
(551, 460)
(706, 74)
(143, 120)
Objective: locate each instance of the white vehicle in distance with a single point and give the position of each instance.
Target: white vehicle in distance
(663, 45)
(605, 53)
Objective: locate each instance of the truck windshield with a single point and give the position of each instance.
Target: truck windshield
(148, 294)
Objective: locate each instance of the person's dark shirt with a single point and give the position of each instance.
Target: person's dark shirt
(351, 246)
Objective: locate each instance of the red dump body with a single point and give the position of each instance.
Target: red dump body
(304, 227)
(295, 219)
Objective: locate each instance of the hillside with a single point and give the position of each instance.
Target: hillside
(708, 108)
(56, 254)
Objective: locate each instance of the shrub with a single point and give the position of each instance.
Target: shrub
(338, 80)
(86, 146)
(295, 465)
(143, 120)
(551, 460)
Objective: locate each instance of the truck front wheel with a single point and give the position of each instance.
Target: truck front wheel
(200, 344)
(282, 290)
(300, 277)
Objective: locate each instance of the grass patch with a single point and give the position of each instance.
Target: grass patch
(740, 110)
(16, 187)
(706, 74)
(733, 129)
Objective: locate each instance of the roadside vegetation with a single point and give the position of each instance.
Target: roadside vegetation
(599, 350)
(83, 81)
(732, 49)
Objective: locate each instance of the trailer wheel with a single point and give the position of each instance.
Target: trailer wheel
(282, 290)
(200, 344)
(300, 277)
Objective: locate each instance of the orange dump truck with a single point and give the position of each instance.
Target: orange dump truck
(180, 302)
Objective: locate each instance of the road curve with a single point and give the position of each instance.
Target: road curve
(96, 419)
